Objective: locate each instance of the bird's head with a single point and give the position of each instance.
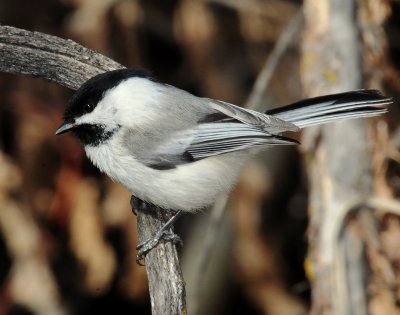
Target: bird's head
(100, 106)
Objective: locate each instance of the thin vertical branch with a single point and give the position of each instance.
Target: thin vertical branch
(264, 77)
(163, 269)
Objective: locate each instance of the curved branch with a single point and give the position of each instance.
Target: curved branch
(70, 64)
(49, 57)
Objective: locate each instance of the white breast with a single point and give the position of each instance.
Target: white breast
(188, 187)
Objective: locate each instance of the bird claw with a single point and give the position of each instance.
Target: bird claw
(145, 247)
(164, 233)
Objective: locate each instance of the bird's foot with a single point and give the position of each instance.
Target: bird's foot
(164, 233)
(145, 247)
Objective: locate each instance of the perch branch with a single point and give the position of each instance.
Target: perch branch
(70, 64)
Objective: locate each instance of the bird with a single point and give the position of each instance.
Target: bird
(178, 151)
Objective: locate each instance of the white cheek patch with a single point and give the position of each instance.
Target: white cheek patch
(133, 101)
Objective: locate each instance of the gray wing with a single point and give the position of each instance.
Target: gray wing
(225, 128)
(209, 139)
(219, 138)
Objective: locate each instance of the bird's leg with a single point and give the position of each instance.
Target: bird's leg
(164, 233)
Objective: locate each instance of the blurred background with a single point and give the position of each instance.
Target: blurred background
(67, 233)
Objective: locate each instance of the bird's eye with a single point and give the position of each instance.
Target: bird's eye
(89, 107)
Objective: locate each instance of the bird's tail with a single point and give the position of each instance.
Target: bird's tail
(329, 108)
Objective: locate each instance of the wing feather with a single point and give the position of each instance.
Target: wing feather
(227, 128)
(220, 138)
(208, 139)
(253, 118)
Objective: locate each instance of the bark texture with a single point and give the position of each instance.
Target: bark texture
(339, 164)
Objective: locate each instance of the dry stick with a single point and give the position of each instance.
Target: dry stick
(264, 77)
(260, 86)
(70, 64)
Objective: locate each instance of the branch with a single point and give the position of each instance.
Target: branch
(264, 77)
(70, 64)
(49, 57)
(339, 162)
(166, 284)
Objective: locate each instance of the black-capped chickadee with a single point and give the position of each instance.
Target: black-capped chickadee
(179, 151)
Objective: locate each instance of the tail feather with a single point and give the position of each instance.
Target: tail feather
(329, 108)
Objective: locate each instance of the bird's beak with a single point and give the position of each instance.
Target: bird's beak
(65, 127)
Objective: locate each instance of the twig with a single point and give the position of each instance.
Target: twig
(213, 224)
(264, 77)
(348, 246)
(70, 64)
(383, 204)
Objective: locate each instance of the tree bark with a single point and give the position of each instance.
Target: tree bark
(70, 64)
(166, 284)
(339, 163)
